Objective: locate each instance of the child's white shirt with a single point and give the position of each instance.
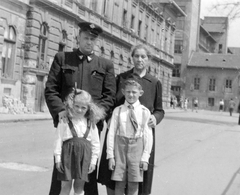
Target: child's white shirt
(126, 129)
(63, 133)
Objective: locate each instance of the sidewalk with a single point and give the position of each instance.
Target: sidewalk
(24, 117)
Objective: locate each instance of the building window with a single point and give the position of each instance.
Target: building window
(139, 28)
(105, 8)
(115, 13)
(132, 21)
(196, 83)
(102, 51)
(166, 41)
(8, 52)
(153, 40)
(112, 56)
(94, 5)
(176, 70)
(124, 18)
(63, 41)
(220, 48)
(146, 29)
(228, 85)
(211, 102)
(69, 3)
(212, 84)
(178, 46)
(121, 60)
(129, 63)
(42, 46)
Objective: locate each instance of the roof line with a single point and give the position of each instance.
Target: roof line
(177, 6)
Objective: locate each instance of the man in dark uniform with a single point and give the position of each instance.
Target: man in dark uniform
(88, 72)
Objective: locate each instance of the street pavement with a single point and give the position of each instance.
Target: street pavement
(196, 154)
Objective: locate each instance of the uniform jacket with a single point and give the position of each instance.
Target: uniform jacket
(95, 76)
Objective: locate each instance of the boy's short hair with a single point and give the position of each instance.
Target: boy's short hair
(133, 80)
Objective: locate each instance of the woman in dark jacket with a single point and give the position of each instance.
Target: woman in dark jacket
(152, 99)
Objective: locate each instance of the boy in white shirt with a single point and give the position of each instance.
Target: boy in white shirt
(129, 140)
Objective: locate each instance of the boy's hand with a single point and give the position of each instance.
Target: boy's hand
(111, 164)
(143, 166)
(59, 167)
(92, 167)
(152, 121)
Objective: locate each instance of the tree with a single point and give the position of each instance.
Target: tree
(230, 9)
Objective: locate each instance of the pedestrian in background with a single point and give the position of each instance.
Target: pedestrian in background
(221, 105)
(91, 73)
(195, 104)
(175, 102)
(231, 106)
(151, 99)
(185, 104)
(129, 140)
(77, 145)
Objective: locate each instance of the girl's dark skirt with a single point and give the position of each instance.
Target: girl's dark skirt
(76, 158)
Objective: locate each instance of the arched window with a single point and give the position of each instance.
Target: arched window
(42, 46)
(8, 52)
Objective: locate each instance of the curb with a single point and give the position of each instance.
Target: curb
(22, 120)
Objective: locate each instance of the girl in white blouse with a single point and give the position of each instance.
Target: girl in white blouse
(77, 145)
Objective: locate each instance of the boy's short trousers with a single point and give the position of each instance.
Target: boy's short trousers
(128, 153)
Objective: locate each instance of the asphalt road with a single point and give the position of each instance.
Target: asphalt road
(197, 154)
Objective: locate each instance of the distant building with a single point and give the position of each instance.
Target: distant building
(218, 29)
(33, 31)
(12, 45)
(212, 77)
(186, 42)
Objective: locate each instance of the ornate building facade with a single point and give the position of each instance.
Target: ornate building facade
(48, 26)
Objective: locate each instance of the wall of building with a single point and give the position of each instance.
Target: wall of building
(115, 43)
(220, 92)
(12, 14)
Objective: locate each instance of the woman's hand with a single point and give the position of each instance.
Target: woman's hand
(92, 167)
(111, 164)
(152, 121)
(143, 166)
(59, 167)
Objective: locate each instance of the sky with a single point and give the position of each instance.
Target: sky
(234, 25)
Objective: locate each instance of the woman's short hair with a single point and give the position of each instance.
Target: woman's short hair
(141, 46)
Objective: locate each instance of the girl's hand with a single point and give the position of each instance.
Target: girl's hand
(111, 164)
(92, 167)
(152, 121)
(59, 167)
(143, 166)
